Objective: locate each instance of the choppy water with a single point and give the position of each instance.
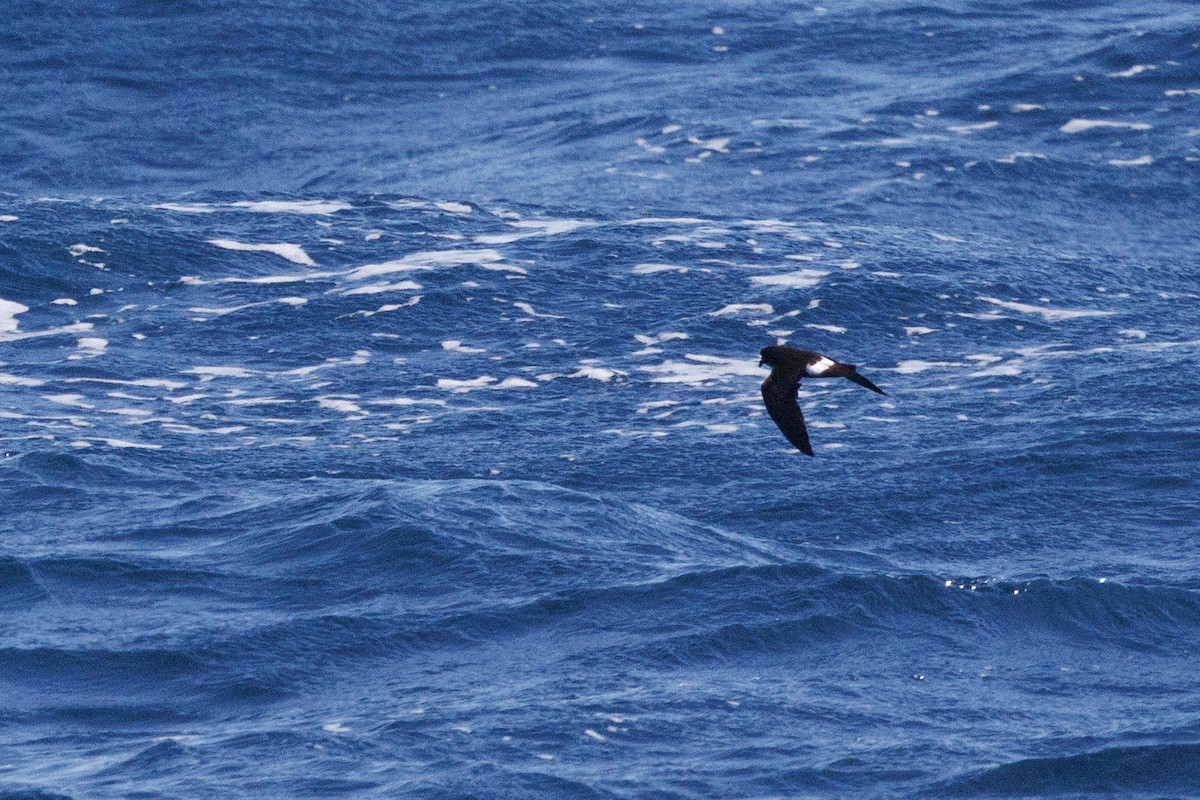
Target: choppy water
(381, 415)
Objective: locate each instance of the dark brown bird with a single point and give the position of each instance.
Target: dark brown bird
(788, 365)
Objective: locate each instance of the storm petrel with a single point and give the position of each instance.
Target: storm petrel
(788, 365)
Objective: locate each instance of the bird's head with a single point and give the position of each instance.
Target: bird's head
(772, 356)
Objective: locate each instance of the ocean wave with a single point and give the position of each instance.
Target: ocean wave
(381, 407)
(1160, 770)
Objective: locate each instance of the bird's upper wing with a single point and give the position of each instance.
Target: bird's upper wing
(779, 392)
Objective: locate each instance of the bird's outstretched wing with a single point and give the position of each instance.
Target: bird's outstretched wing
(779, 393)
(861, 381)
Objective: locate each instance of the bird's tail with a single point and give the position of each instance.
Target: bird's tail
(853, 375)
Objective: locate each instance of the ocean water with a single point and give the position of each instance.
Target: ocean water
(381, 408)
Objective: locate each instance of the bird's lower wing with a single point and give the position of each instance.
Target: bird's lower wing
(783, 407)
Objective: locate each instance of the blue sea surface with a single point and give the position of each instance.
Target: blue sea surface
(380, 399)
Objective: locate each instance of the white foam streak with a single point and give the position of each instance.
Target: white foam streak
(18, 380)
(432, 259)
(602, 374)
(460, 386)
(93, 345)
(1140, 161)
(340, 404)
(1080, 125)
(740, 308)
(220, 312)
(318, 207)
(122, 444)
(1049, 314)
(8, 315)
(528, 309)
(208, 373)
(379, 288)
(292, 252)
(1136, 69)
(533, 228)
(514, 382)
(13, 335)
(650, 269)
(456, 346)
(660, 338)
(1000, 369)
(801, 279)
(701, 369)
(913, 365)
(978, 126)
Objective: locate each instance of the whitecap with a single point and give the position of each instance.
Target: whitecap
(292, 252)
(383, 309)
(220, 312)
(342, 404)
(1078, 125)
(660, 338)
(528, 309)
(456, 385)
(18, 380)
(1000, 369)
(1049, 314)
(1136, 69)
(1012, 158)
(186, 208)
(68, 399)
(514, 382)
(739, 308)
(650, 269)
(912, 365)
(700, 369)
(718, 145)
(379, 288)
(978, 126)
(533, 228)
(602, 374)
(432, 259)
(123, 444)
(92, 346)
(801, 279)
(209, 373)
(11, 334)
(650, 405)
(319, 207)
(1140, 161)
(8, 315)
(456, 346)
(258, 401)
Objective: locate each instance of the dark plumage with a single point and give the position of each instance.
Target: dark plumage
(788, 365)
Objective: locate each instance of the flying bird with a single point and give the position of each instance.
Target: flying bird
(788, 365)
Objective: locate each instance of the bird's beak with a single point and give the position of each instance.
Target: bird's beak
(761, 362)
